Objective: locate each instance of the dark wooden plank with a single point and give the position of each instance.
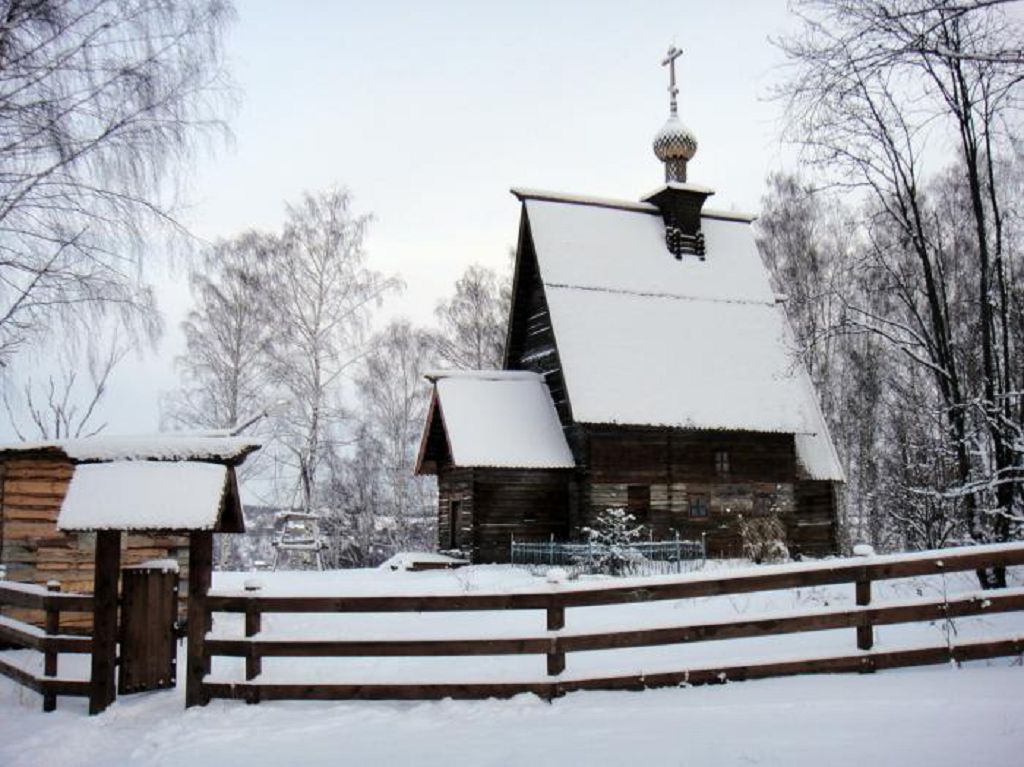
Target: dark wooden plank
(254, 691)
(869, 661)
(387, 648)
(42, 685)
(948, 560)
(39, 599)
(49, 655)
(104, 620)
(865, 633)
(200, 574)
(19, 634)
(838, 619)
(768, 626)
(253, 661)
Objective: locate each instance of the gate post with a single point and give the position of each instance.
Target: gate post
(102, 691)
(200, 574)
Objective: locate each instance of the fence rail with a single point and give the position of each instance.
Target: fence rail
(639, 558)
(557, 642)
(49, 641)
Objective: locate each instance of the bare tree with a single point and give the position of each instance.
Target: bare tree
(875, 86)
(393, 400)
(473, 321)
(227, 337)
(322, 299)
(99, 100)
(65, 405)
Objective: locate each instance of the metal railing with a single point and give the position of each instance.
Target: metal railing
(639, 558)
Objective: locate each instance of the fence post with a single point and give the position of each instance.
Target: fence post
(103, 674)
(50, 656)
(253, 660)
(556, 622)
(865, 631)
(200, 574)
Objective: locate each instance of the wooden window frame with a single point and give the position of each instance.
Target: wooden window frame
(638, 500)
(723, 462)
(454, 507)
(695, 501)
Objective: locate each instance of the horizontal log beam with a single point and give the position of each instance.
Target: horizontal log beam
(844, 571)
(964, 606)
(281, 648)
(868, 661)
(254, 692)
(43, 685)
(41, 599)
(29, 638)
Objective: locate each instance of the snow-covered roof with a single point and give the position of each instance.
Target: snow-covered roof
(500, 419)
(146, 495)
(647, 339)
(155, 447)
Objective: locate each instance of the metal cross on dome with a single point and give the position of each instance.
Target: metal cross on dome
(670, 61)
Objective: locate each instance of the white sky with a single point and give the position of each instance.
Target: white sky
(428, 112)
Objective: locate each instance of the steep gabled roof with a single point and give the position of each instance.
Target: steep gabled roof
(644, 338)
(502, 419)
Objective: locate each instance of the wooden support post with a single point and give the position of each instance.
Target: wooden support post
(556, 656)
(865, 632)
(200, 574)
(556, 618)
(102, 689)
(50, 657)
(253, 661)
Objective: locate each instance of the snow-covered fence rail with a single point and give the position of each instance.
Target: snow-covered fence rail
(18, 634)
(556, 642)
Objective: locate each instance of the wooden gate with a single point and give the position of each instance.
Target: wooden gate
(149, 611)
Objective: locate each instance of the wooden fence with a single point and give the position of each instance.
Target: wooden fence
(49, 641)
(555, 643)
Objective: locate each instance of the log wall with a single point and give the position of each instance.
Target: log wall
(497, 504)
(35, 551)
(677, 464)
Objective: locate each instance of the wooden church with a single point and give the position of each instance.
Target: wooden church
(648, 366)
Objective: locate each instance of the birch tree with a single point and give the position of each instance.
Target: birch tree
(228, 337)
(472, 322)
(322, 300)
(100, 100)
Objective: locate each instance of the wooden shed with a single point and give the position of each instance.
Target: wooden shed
(35, 479)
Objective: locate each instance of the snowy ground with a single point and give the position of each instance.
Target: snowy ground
(934, 716)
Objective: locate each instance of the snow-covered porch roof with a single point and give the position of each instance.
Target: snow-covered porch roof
(152, 495)
(491, 418)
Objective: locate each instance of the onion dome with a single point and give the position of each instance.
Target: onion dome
(674, 141)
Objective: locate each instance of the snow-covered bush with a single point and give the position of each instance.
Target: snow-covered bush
(611, 538)
(764, 538)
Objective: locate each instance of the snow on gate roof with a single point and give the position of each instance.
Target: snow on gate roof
(151, 495)
(155, 447)
(647, 339)
(501, 419)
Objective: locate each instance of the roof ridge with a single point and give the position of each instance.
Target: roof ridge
(657, 294)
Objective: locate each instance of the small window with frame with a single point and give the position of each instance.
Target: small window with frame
(763, 503)
(722, 467)
(638, 500)
(698, 506)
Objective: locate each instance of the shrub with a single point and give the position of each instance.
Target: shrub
(764, 538)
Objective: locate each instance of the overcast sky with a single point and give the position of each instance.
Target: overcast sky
(428, 112)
